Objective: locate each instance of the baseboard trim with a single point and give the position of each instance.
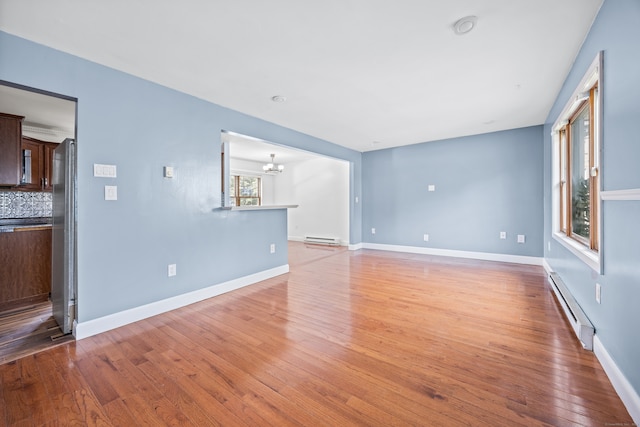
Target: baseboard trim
(623, 387)
(95, 326)
(486, 256)
(355, 247)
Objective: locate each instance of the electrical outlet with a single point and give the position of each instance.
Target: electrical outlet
(503, 235)
(431, 187)
(171, 270)
(426, 237)
(520, 238)
(373, 231)
(272, 248)
(598, 293)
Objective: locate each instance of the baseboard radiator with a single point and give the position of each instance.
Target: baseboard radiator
(331, 241)
(581, 324)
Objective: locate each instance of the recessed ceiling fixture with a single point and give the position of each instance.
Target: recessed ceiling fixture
(272, 167)
(278, 98)
(465, 25)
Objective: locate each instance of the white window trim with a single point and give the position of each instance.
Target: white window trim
(592, 76)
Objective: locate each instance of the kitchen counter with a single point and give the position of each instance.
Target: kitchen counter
(9, 225)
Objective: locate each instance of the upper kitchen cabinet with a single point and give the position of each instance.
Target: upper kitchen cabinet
(10, 150)
(32, 124)
(37, 164)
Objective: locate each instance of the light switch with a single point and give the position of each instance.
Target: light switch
(110, 192)
(520, 238)
(432, 187)
(104, 171)
(168, 171)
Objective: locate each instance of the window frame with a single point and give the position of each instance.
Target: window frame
(588, 94)
(236, 197)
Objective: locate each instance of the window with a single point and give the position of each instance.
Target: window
(576, 136)
(245, 190)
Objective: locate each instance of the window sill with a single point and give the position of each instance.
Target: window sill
(589, 257)
(257, 208)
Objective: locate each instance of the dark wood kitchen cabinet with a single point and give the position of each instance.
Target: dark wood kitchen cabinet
(48, 165)
(41, 165)
(25, 267)
(10, 150)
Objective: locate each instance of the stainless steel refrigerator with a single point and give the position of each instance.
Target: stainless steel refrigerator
(63, 267)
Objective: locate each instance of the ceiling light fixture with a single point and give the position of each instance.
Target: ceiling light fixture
(272, 167)
(278, 98)
(465, 25)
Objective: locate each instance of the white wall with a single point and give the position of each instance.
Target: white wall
(320, 188)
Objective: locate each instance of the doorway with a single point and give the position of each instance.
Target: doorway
(46, 120)
(317, 184)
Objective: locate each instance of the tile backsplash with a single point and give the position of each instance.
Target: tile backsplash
(21, 204)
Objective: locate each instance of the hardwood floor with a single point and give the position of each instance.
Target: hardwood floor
(346, 338)
(27, 330)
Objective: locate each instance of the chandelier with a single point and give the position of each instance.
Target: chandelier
(272, 167)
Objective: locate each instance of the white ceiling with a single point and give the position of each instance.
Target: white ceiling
(353, 71)
(257, 150)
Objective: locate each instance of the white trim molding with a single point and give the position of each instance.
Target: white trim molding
(486, 256)
(589, 257)
(355, 247)
(102, 324)
(623, 387)
(631, 194)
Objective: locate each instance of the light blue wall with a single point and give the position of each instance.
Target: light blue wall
(485, 184)
(124, 247)
(616, 31)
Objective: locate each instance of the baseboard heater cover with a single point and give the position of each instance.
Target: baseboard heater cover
(331, 241)
(581, 324)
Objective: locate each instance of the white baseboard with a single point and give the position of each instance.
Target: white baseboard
(546, 266)
(623, 387)
(355, 247)
(95, 326)
(516, 259)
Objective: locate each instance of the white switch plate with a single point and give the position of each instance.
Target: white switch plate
(171, 270)
(111, 192)
(272, 248)
(168, 171)
(104, 171)
(520, 238)
(598, 293)
(503, 235)
(373, 231)
(432, 187)
(426, 237)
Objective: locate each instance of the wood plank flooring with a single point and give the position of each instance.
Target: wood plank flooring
(27, 330)
(365, 338)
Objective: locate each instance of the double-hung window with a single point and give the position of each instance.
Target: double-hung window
(576, 145)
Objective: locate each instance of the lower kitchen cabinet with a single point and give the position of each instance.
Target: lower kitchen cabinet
(25, 267)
